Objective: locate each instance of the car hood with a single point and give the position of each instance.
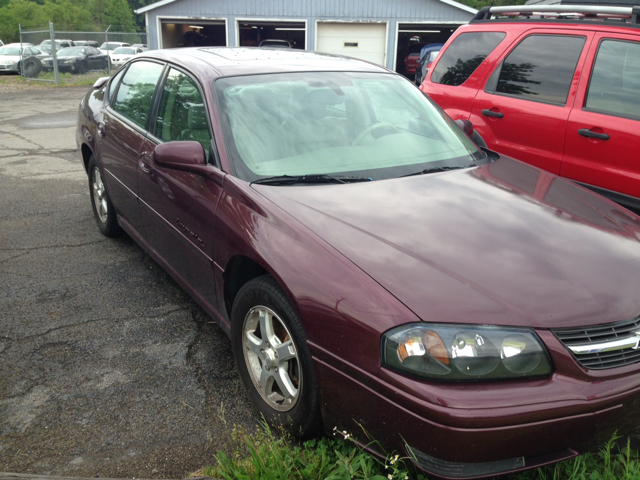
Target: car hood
(500, 244)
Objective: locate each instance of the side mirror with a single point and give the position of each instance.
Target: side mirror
(185, 155)
(466, 126)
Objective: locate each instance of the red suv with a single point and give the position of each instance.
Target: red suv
(557, 86)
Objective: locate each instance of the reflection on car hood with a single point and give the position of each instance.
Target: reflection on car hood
(501, 244)
(66, 57)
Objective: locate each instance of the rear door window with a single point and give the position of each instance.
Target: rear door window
(540, 68)
(614, 87)
(464, 55)
(135, 93)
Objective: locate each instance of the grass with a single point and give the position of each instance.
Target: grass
(274, 455)
(66, 80)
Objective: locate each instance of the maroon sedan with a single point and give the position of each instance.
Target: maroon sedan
(370, 264)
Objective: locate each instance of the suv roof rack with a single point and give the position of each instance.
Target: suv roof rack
(563, 13)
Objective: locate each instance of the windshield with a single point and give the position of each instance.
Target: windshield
(124, 51)
(9, 51)
(363, 124)
(70, 51)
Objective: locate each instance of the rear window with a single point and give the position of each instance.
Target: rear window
(540, 68)
(615, 80)
(464, 55)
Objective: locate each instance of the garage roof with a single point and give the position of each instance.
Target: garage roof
(166, 2)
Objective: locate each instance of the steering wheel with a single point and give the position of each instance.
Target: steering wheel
(376, 130)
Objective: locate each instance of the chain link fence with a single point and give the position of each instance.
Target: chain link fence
(47, 54)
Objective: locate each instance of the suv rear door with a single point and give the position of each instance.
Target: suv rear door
(523, 108)
(602, 132)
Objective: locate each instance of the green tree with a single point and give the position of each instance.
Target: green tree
(81, 15)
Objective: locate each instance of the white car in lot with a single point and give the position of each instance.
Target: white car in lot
(13, 55)
(121, 54)
(109, 47)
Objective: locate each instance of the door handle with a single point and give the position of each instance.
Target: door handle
(145, 163)
(491, 113)
(101, 132)
(585, 132)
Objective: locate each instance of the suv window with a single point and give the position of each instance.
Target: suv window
(615, 81)
(182, 113)
(540, 68)
(464, 55)
(136, 91)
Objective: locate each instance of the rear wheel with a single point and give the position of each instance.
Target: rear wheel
(103, 210)
(270, 350)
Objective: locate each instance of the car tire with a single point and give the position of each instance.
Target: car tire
(274, 362)
(30, 67)
(103, 210)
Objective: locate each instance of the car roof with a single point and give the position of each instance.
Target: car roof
(229, 61)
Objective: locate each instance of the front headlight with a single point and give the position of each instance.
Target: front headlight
(67, 62)
(8, 62)
(457, 353)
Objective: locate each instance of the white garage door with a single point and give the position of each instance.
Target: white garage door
(366, 41)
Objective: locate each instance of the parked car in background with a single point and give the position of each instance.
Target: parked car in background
(559, 93)
(86, 43)
(122, 54)
(78, 60)
(143, 46)
(14, 59)
(109, 47)
(372, 266)
(45, 46)
(412, 57)
(275, 43)
(428, 55)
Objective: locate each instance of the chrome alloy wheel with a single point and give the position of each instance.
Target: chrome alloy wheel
(99, 195)
(271, 358)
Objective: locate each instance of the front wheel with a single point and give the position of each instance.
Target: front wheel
(103, 209)
(270, 350)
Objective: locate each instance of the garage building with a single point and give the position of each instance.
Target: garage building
(380, 31)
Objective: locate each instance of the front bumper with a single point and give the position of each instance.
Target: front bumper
(476, 430)
(9, 68)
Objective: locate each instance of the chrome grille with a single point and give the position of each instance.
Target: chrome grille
(599, 335)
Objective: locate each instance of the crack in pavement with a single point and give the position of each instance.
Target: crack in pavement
(25, 152)
(13, 258)
(52, 246)
(117, 320)
(13, 134)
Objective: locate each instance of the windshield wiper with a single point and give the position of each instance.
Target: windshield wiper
(314, 178)
(432, 170)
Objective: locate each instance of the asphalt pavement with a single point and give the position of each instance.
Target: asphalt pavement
(107, 368)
